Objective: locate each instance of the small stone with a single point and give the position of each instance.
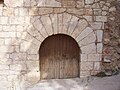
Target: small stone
(89, 1)
(97, 12)
(88, 12)
(96, 6)
(80, 4)
(112, 9)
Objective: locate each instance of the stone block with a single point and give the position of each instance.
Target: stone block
(24, 46)
(12, 77)
(33, 11)
(72, 24)
(3, 20)
(9, 28)
(1, 11)
(1, 28)
(4, 72)
(68, 3)
(43, 11)
(86, 65)
(52, 3)
(27, 3)
(4, 84)
(54, 19)
(84, 33)
(2, 41)
(33, 3)
(97, 66)
(88, 49)
(16, 11)
(32, 77)
(96, 25)
(23, 11)
(96, 6)
(18, 56)
(4, 67)
(33, 57)
(4, 60)
(59, 10)
(97, 12)
(8, 11)
(48, 26)
(84, 73)
(82, 24)
(75, 11)
(104, 13)
(91, 38)
(88, 12)
(101, 18)
(7, 49)
(35, 33)
(19, 28)
(84, 57)
(99, 34)
(7, 34)
(88, 18)
(93, 72)
(112, 9)
(99, 48)
(105, 8)
(33, 65)
(13, 3)
(60, 24)
(94, 57)
(16, 20)
(80, 3)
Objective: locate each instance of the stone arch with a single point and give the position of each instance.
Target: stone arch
(78, 28)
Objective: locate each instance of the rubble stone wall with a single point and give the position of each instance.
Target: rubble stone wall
(111, 51)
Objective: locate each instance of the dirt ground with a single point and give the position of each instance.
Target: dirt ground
(89, 83)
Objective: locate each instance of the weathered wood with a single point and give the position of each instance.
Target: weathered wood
(59, 57)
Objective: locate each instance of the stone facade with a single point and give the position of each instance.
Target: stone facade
(24, 24)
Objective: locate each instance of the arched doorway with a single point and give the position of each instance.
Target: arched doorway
(59, 57)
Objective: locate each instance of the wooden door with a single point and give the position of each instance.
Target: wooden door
(59, 57)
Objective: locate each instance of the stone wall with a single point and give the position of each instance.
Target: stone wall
(111, 51)
(24, 24)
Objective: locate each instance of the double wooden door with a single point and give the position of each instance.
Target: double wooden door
(59, 57)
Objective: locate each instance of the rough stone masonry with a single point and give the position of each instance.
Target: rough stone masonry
(24, 24)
